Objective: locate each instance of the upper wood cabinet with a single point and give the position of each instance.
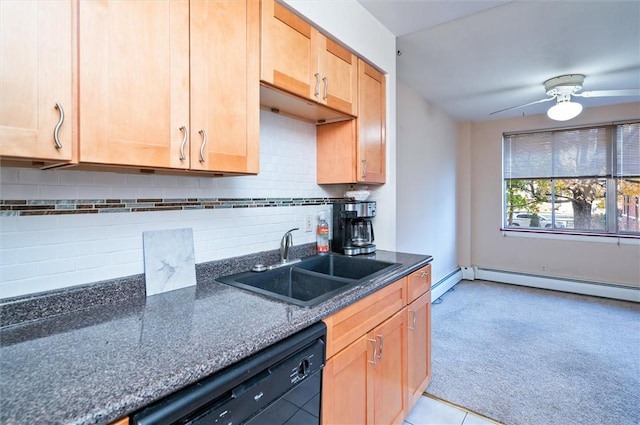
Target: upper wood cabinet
(355, 151)
(36, 80)
(372, 133)
(168, 84)
(297, 58)
(225, 95)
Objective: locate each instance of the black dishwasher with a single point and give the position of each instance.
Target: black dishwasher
(278, 385)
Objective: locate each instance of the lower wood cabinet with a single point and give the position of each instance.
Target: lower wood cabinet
(366, 382)
(378, 354)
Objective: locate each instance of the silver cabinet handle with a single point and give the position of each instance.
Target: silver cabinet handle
(184, 142)
(364, 168)
(424, 274)
(326, 88)
(380, 338)
(204, 143)
(413, 320)
(317, 93)
(373, 358)
(56, 130)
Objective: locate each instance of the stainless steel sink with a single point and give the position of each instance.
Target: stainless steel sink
(311, 281)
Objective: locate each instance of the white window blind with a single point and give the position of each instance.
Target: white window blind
(628, 150)
(558, 154)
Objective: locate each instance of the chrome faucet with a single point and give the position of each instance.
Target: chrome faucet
(285, 244)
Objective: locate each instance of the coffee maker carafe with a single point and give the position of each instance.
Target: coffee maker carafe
(352, 227)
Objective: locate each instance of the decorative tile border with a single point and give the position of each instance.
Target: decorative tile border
(13, 207)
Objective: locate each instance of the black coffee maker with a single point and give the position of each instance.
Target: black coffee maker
(352, 227)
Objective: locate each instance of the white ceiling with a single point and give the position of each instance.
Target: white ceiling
(473, 57)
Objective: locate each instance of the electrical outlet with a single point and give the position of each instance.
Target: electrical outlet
(308, 223)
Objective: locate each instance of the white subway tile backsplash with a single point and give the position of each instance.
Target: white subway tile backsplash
(19, 191)
(9, 175)
(27, 255)
(88, 262)
(99, 192)
(34, 176)
(16, 272)
(18, 240)
(59, 265)
(49, 191)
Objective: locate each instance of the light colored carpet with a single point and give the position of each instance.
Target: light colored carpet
(527, 356)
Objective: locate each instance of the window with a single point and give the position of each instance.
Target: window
(582, 179)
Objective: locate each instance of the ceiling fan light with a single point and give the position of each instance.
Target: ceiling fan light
(564, 110)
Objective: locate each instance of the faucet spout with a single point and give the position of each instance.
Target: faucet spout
(285, 244)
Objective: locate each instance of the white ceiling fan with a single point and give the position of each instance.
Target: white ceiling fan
(562, 88)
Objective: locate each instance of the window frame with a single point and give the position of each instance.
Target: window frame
(612, 178)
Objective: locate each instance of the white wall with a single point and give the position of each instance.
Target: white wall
(49, 252)
(426, 181)
(595, 259)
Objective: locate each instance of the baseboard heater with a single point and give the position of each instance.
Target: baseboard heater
(598, 289)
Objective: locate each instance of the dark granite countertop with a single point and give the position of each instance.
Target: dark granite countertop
(97, 364)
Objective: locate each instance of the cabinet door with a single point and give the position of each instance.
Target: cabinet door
(419, 351)
(338, 71)
(390, 373)
(371, 124)
(287, 60)
(36, 74)
(336, 152)
(134, 83)
(225, 97)
(346, 385)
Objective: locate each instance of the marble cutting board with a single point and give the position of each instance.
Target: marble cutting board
(169, 260)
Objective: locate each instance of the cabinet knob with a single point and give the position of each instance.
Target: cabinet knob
(56, 130)
(424, 274)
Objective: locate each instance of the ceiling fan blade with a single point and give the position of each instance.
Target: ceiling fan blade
(605, 93)
(526, 104)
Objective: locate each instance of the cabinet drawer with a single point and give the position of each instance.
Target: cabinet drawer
(353, 321)
(418, 283)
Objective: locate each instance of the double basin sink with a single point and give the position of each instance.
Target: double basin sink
(311, 281)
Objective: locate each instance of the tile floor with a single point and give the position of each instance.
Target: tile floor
(432, 411)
